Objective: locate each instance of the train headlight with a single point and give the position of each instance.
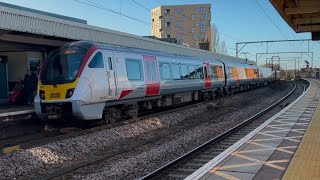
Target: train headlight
(42, 95)
(69, 93)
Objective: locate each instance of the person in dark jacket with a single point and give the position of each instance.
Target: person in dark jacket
(29, 84)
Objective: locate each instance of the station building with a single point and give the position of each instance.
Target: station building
(28, 35)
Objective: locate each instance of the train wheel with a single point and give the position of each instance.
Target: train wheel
(206, 96)
(133, 111)
(112, 115)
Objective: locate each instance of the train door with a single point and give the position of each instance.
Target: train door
(3, 78)
(207, 80)
(151, 74)
(110, 69)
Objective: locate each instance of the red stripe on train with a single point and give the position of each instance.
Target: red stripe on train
(124, 93)
(86, 59)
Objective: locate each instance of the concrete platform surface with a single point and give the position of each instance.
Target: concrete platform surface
(11, 110)
(266, 153)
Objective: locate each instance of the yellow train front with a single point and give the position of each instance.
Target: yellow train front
(63, 89)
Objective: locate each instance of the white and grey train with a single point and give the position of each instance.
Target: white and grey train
(89, 81)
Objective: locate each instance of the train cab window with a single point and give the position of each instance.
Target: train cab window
(184, 71)
(134, 70)
(175, 71)
(199, 72)
(97, 61)
(192, 71)
(165, 71)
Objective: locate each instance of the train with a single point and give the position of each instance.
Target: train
(89, 81)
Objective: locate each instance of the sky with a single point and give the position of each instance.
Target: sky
(237, 21)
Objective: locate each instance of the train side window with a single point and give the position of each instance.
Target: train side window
(220, 72)
(134, 70)
(192, 72)
(175, 71)
(184, 71)
(213, 72)
(97, 61)
(165, 71)
(199, 72)
(110, 63)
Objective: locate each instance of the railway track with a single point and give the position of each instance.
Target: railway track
(185, 165)
(63, 172)
(40, 136)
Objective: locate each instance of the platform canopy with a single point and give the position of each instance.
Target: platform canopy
(301, 15)
(28, 26)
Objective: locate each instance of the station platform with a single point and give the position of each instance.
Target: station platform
(13, 110)
(287, 146)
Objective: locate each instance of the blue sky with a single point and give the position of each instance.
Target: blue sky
(237, 20)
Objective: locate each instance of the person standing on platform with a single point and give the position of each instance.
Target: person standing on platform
(29, 87)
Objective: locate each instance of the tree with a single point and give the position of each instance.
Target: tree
(223, 49)
(215, 39)
(217, 46)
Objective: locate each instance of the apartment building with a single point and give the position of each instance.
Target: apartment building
(189, 24)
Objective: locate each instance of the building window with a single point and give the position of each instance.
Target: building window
(168, 30)
(179, 37)
(204, 16)
(202, 10)
(203, 29)
(183, 17)
(168, 36)
(197, 43)
(197, 10)
(134, 69)
(181, 29)
(165, 71)
(172, 18)
(179, 23)
(203, 35)
(166, 17)
(179, 11)
(97, 61)
(195, 36)
(202, 23)
(192, 16)
(182, 36)
(197, 23)
(167, 24)
(167, 11)
(192, 30)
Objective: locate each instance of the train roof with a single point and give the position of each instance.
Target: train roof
(88, 44)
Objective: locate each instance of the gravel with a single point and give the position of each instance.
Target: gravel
(193, 126)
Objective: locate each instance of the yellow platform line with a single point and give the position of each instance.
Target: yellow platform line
(306, 161)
